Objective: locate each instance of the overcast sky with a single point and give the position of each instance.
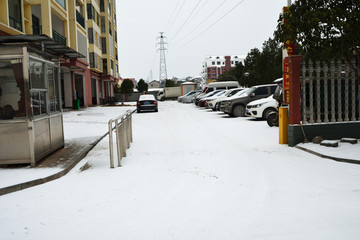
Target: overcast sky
(194, 29)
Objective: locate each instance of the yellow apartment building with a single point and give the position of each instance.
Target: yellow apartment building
(87, 26)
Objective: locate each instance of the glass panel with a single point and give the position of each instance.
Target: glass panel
(15, 19)
(56, 89)
(43, 108)
(37, 75)
(62, 3)
(12, 95)
(35, 103)
(51, 85)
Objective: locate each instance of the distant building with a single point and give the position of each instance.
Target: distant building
(214, 66)
(154, 84)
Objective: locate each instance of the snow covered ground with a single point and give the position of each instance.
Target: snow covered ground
(190, 174)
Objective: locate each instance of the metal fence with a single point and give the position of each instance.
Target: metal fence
(330, 92)
(123, 135)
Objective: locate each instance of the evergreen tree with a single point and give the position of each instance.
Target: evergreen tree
(142, 86)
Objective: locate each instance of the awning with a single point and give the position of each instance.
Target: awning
(48, 43)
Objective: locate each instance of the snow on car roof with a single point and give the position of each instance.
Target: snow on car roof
(146, 97)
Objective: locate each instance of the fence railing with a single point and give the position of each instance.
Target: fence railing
(330, 92)
(123, 135)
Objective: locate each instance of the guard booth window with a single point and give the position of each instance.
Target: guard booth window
(44, 90)
(12, 96)
(37, 88)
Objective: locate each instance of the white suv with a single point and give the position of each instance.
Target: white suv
(262, 107)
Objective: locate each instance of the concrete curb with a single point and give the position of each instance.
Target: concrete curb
(73, 162)
(329, 157)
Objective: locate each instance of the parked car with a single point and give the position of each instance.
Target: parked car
(187, 98)
(214, 103)
(198, 98)
(203, 101)
(217, 86)
(235, 107)
(147, 102)
(261, 108)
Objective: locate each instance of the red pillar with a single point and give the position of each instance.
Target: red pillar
(295, 89)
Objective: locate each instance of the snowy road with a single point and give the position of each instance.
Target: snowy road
(193, 174)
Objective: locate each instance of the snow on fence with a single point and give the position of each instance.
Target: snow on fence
(330, 92)
(123, 136)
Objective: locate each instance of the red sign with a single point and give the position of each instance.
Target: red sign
(286, 82)
(290, 49)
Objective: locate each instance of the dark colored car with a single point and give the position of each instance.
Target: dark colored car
(236, 106)
(147, 102)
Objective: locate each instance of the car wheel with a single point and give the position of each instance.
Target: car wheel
(267, 113)
(138, 111)
(238, 111)
(273, 119)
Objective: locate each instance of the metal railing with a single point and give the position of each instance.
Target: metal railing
(58, 37)
(330, 92)
(123, 131)
(80, 19)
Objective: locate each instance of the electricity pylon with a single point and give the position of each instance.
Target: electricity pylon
(162, 49)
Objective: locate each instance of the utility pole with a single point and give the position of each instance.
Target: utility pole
(162, 49)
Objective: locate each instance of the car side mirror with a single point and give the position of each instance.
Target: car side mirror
(252, 95)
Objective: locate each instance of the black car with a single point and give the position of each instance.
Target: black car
(147, 102)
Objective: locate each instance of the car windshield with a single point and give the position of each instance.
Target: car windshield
(219, 93)
(232, 92)
(190, 93)
(248, 91)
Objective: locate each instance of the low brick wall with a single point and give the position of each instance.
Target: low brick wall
(329, 131)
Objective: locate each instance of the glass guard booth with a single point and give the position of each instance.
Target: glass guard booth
(31, 121)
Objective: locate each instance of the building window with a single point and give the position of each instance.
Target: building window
(115, 33)
(213, 63)
(112, 67)
(91, 35)
(90, 11)
(109, 7)
(103, 45)
(105, 71)
(15, 18)
(110, 32)
(92, 59)
(102, 6)
(62, 3)
(218, 63)
(103, 25)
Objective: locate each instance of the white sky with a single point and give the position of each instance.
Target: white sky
(139, 22)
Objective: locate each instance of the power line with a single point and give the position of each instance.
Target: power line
(187, 19)
(217, 8)
(172, 14)
(176, 16)
(213, 24)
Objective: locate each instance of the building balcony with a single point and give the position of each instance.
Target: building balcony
(58, 37)
(80, 19)
(37, 30)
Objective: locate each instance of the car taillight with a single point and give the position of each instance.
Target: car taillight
(138, 103)
(155, 102)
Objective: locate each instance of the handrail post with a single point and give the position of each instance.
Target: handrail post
(117, 143)
(111, 145)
